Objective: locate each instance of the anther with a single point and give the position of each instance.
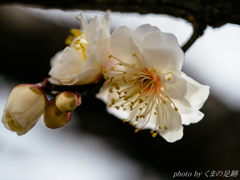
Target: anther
(176, 109)
(124, 120)
(110, 56)
(105, 77)
(165, 127)
(112, 68)
(104, 71)
(134, 54)
(154, 135)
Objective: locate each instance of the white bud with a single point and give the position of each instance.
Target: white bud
(25, 105)
(67, 101)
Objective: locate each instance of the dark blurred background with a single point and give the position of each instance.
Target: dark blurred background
(97, 145)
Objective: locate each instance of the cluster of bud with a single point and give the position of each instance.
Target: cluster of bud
(28, 102)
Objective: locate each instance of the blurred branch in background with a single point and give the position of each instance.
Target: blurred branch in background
(200, 14)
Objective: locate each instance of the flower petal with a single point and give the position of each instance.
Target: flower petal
(176, 87)
(174, 130)
(197, 93)
(188, 113)
(150, 35)
(123, 45)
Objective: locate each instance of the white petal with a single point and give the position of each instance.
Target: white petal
(87, 77)
(188, 113)
(55, 59)
(163, 58)
(150, 35)
(123, 45)
(177, 87)
(106, 97)
(197, 93)
(82, 20)
(174, 130)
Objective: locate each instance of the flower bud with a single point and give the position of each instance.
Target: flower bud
(25, 105)
(67, 101)
(53, 118)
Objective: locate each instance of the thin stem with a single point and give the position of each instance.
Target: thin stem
(191, 40)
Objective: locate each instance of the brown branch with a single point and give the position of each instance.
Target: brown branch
(214, 13)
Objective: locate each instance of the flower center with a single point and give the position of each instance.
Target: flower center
(78, 41)
(141, 91)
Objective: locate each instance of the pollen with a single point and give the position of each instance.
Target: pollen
(165, 127)
(112, 68)
(104, 71)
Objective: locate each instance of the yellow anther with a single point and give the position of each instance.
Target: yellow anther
(117, 107)
(134, 54)
(124, 120)
(164, 102)
(120, 64)
(139, 129)
(155, 113)
(130, 122)
(104, 71)
(151, 131)
(69, 39)
(154, 70)
(105, 77)
(75, 32)
(110, 105)
(140, 101)
(136, 130)
(167, 96)
(124, 109)
(133, 65)
(112, 68)
(111, 90)
(165, 127)
(124, 72)
(145, 103)
(154, 135)
(169, 79)
(176, 109)
(159, 127)
(134, 125)
(110, 56)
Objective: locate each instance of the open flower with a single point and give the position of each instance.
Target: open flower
(146, 87)
(24, 107)
(81, 62)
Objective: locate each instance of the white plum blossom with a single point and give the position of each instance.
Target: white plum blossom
(146, 87)
(82, 61)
